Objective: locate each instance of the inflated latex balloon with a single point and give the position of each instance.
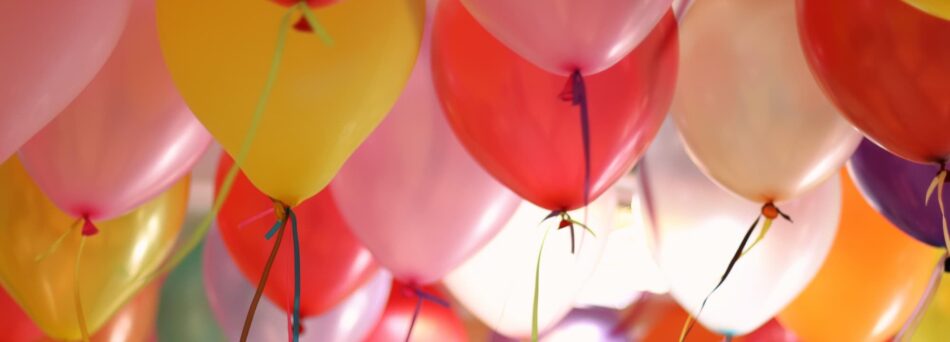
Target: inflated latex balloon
(933, 324)
(699, 225)
(871, 302)
(411, 192)
(325, 99)
(39, 272)
(750, 113)
(230, 294)
(594, 325)
(563, 36)
(433, 322)
(333, 263)
(184, 313)
(508, 114)
(938, 8)
(38, 79)
(497, 283)
(126, 138)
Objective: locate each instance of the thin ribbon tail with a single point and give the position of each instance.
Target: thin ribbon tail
(941, 177)
(293, 225)
(765, 230)
(77, 298)
(249, 319)
(422, 296)
(537, 289)
(59, 241)
(911, 325)
(690, 321)
(314, 24)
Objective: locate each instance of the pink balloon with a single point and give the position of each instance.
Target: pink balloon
(127, 137)
(49, 51)
(562, 36)
(412, 194)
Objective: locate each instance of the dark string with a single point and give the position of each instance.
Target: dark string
(422, 296)
(278, 228)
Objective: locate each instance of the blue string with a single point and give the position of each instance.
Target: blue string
(422, 296)
(293, 226)
(273, 230)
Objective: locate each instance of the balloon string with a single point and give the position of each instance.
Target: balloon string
(911, 325)
(537, 290)
(576, 92)
(59, 241)
(80, 315)
(937, 184)
(263, 281)
(199, 232)
(293, 226)
(422, 296)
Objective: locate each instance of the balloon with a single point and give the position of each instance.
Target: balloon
(16, 325)
(508, 115)
(401, 189)
(596, 324)
(896, 188)
(886, 65)
(184, 313)
(435, 323)
(939, 8)
(699, 225)
(750, 114)
(564, 35)
(230, 295)
(38, 79)
(113, 265)
(871, 304)
(933, 325)
(333, 263)
(497, 283)
(327, 98)
(125, 139)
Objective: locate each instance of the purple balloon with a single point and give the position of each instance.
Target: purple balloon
(896, 187)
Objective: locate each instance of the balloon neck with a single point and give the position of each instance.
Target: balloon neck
(88, 228)
(771, 212)
(280, 210)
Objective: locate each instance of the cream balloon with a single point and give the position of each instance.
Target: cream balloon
(497, 283)
(699, 226)
(747, 106)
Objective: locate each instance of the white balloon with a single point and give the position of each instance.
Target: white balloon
(700, 225)
(230, 295)
(497, 283)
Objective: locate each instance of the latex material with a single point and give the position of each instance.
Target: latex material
(38, 82)
(595, 324)
(699, 226)
(751, 115)
(938, 8)
(411, 192)
(326, 100)
(497, 283)
(933, 325)
(874, 275)
(184, 313)
(659, 318)
(885, 64)
(562, 36)
(896, 188)
(113, 262)
(230, 295)
(333, 262)
(435, 323)
(126, 138)
(510, 118)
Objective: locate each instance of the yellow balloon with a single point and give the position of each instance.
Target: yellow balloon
(327, 97)
(937, 8)
(935, 324)
(113, 264)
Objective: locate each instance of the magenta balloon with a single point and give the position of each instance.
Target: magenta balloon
(49, 51)
(412, 194)
(229, 295)
(127, 137)
(562, 36)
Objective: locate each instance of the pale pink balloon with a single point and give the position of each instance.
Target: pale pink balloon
(49, 51)
(126, 137)
(562, 36)
(412, 194)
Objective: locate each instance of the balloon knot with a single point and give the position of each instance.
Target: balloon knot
(280, 210)
(771, 212)
(88, 228)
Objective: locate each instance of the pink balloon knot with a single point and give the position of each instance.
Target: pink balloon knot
(88, 228)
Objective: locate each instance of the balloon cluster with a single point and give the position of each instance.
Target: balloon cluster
(393, 170)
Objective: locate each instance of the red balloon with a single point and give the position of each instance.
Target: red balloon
(508, 114)
(333, 262)
(435, 323)
(16, 325)
(887, 67)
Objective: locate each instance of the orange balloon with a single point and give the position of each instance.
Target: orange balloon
(872, 279)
